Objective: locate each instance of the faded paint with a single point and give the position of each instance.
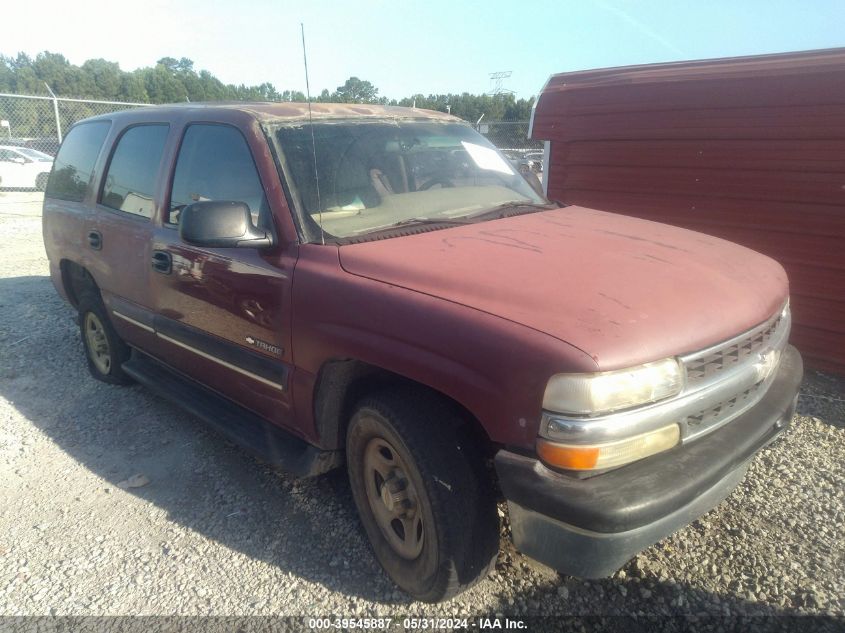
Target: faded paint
(749, 149)
(276, 112)
(623, 290)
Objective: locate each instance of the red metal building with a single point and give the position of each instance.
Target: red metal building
(750, 149)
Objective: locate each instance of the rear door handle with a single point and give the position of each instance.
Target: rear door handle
(162, 262)
(95, 240)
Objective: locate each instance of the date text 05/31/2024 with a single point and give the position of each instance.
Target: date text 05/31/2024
(417, 624)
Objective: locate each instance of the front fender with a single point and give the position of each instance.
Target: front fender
(494, 368)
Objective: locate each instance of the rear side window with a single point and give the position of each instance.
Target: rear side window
(215, 163)
(131, 177)
(75, 161)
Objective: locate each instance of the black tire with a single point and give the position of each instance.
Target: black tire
(41, 181)
(453, 492)
(116, 351)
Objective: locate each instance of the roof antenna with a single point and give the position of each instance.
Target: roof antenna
(313, 142)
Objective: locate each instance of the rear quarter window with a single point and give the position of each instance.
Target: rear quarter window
(74, 164)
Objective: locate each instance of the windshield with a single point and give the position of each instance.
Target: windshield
(34, 154)
(374, 175)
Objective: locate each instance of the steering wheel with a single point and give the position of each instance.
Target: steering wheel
(437, 180)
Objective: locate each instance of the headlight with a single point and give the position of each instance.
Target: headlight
(586, 394)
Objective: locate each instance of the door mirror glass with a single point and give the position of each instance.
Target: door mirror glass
(221, 224)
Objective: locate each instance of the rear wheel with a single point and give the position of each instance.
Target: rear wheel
(422, 493)
(105, 351)
(41, 181)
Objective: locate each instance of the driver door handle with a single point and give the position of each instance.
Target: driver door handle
(95, 240)
(162, 262)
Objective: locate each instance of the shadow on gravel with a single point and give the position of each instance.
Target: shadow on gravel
(304, 527)
(308, 527)
(656, 605)
(823, 397)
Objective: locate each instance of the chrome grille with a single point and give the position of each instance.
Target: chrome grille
(710, 418)
(754, 353)
(705, 367)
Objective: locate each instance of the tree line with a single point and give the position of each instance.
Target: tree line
(174, 80)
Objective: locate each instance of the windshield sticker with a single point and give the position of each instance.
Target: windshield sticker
(486, 158)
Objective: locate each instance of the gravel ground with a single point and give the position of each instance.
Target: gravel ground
(213, 531)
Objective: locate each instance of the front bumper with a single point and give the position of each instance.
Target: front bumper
(591, 527)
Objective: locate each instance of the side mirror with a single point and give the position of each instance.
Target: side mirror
(221, 224)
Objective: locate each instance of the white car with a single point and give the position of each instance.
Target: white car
(22, 167)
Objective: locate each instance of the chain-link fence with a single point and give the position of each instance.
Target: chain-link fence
(40, 122)
(512, 138)
(509, 135)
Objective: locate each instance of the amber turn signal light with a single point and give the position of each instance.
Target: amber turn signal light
(569, 457)
(610, 454)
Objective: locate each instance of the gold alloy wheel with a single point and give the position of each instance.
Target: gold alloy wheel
(393, 498)
(97, 343)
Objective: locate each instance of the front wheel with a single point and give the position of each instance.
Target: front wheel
(422, 494)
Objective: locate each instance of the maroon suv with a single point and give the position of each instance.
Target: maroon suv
(380, 287)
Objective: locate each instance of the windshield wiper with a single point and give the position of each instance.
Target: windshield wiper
(411, 221)
(501, 210)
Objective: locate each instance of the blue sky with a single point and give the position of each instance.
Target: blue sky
(403, 47)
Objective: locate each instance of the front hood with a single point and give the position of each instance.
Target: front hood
(623, 290)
